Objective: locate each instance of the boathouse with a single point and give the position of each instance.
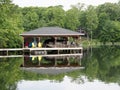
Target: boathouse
(48, 39)
(52, 38)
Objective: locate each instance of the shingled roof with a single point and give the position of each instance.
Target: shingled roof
(51, 31)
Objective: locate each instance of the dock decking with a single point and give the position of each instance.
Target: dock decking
(51, 55)
(11, 49)
(21, 49)
(7, 50)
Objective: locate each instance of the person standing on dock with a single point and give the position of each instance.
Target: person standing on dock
(35, 42)
(33, 45)
(39, 44)
(26, 44)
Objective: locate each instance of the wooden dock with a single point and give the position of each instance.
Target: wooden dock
(21, 49)
(50, 55)
(7, 50)
(72, 48)
(11, 49)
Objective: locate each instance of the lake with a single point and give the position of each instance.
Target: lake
(97, 69)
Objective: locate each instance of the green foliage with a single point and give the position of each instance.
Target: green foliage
(10, 73)
(91, 19)
(108, 29)
(101, 22)
(111, 9)
(54, 16)
(72, 19)
(35, 17)
(103, 63)
(11, 25)
(30, 20)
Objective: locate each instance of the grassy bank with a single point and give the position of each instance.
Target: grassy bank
(94, 42)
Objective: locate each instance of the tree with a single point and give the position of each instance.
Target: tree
(89, 20)
(99, 34)
(72, 19)
(11, 24)
(111, 9)
(40, 12)
(30, 20)
(108, 29)
(54, 16)
(116, 27)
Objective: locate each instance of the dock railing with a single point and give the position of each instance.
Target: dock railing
(22, 50)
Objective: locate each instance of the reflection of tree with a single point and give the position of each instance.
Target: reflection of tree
(76, 76)
(10, 73)
(104, 64)
(109, 59)
(35, 76)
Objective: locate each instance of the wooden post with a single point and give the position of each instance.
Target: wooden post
(58, 52)
(23, 46)
(55, 62)
(7, 52)
(70, 51)
(39, 63)
(80, 40)
(68, 59)
(80, 62)
(23, 42)
(23, 61)
(38, 42)
(55, 41)
(38, 39)
(68, 43)
(81, 50)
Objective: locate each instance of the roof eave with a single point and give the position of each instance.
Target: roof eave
(51, 34)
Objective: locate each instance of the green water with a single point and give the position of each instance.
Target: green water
(101, 72)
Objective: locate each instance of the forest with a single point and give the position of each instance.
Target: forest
(100, 22)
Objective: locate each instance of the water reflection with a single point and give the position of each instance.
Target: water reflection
(67, 84)
(10, 73)
(52, 64)
(103, 64)
(102, 68)
(52, 61)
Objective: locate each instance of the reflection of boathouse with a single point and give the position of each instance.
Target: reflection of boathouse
(52, 61)
(51, 39)
(52, 64)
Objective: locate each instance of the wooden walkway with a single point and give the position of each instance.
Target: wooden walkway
(7, 50)
(11, 49)
(21, 49)
(50, 55)
(71, 48)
